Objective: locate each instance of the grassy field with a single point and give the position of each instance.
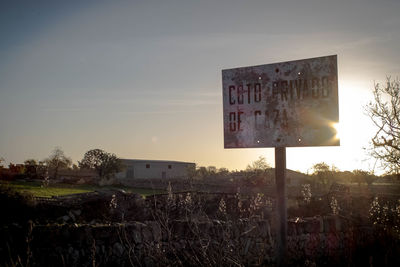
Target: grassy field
(37, 190)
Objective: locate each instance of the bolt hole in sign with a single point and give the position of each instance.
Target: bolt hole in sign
(286, 104)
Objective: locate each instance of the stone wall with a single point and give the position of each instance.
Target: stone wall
(325, 241)
(114, 228)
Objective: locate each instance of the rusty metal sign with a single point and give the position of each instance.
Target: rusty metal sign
(286, 104)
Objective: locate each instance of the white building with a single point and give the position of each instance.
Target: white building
(154, 169)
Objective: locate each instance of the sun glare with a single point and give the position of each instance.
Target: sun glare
(337, 128)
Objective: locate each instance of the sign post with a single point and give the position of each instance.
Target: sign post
(286, 104)
(280, 180)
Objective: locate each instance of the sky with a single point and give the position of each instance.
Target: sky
(142, 79)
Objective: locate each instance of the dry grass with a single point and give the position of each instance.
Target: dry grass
(38, 190)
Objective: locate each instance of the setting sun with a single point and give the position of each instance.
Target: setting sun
(338, 130)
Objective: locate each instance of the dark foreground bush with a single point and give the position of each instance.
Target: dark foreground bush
(15, 206)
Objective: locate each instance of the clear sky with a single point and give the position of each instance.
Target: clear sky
(142, 79)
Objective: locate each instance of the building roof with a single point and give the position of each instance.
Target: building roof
(127, 161)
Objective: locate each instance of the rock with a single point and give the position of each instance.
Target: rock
(204, 227)
(259, 247)
(179, 228)
(291, 228)
(77, 212)
(72, 216)
(137, 237)
(148, 262)
(247, 246)
(118, 249)
(321, 223)
(313, 226)
(137, 229)
(156, 229)
(75, 255)
(264, 229)
(329, 224)
(146, 234)
(338, 224)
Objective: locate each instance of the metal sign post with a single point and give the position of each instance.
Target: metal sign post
(285, 104)
(280, 180)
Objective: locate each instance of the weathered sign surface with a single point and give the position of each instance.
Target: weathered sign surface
(287, 104)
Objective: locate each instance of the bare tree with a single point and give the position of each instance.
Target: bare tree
(384, 112)
(260, 164)
(257, 172)
(57, 160)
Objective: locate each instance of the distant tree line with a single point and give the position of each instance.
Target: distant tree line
(322, 175)
(257, 173)
(103, 163)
